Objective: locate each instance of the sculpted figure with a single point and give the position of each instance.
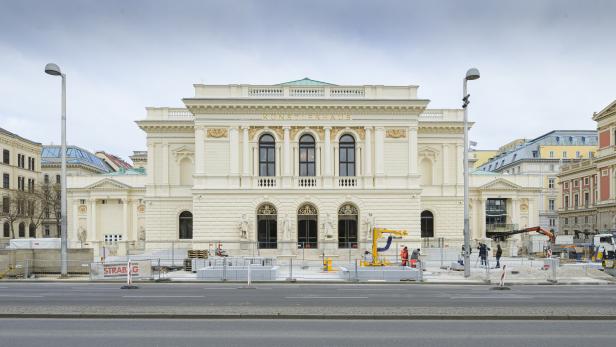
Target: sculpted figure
(243, 227)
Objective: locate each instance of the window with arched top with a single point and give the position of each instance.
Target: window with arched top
(267, 155)
(347, 226)
(186, 225)
(6, 232)
(22, 229)
(347, 155)
(307, 226)
(307, 158)
(31, 230)
(427, 224)
(267, 227)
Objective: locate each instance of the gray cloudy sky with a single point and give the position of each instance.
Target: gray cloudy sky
(545, 64)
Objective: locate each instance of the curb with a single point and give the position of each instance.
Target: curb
(302, 317)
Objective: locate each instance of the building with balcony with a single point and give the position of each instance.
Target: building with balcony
(543, 156)
(21, 172)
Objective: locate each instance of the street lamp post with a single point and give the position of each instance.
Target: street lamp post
(54, 70)
(471, 74)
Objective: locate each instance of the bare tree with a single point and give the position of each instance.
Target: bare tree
(49, 197)
(12, 209)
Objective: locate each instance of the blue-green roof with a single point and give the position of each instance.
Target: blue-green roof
(50, 156)
(128, 172)
(305, 82)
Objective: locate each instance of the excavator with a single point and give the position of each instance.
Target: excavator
(502, 235)
(377, 233)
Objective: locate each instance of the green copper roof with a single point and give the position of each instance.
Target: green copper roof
(305, 82)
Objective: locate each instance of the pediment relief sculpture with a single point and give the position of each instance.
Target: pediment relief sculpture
(395, 133)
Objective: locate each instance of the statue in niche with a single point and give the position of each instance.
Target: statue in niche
(82, 235)
(243, 226)
(286, 228)
(141, 233)
(328, 226)
(369, 222)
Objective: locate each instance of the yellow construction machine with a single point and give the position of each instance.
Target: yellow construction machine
(377, 233)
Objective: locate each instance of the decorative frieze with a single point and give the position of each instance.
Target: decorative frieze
(217, 132)
(395, 133)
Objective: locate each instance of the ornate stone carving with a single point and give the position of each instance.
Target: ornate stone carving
(217, 132)
(347, 210)
(396, 133)
(141, 208)
(83, 209)
(266, 209)
(361, 132)
(307, 210)
(278, 130)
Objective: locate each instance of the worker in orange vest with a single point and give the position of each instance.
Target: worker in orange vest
(404, 254)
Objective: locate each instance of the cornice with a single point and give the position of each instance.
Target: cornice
(166, 126)
(249, 106)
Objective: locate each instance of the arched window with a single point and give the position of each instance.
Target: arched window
(6, 230)
(307, 226)
(22, 229)
(186, 225)
(347, 155)
(306, 156)
(347, 226)
(32, 230)
(427, 224)
(267, 155)
(267, 227)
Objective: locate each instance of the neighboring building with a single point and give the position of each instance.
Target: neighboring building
(21, 172)
(113, 161)
(478, 157)
(79, 162)
(139, 159)
(105, 209)
(588, 188)
(544, 156)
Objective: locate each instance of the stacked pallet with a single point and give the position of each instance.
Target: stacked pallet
(195, 254)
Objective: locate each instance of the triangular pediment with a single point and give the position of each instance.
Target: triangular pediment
(108, 184)
(500, 184)
(428, 152)
(608, 110)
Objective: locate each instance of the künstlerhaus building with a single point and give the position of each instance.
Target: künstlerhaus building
(303, 166)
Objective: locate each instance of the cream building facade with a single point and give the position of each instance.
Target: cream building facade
(300, 166)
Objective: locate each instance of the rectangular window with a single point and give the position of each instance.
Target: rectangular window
(586, 219)
(6, 202)
(577, 154)
(551, 154)
(566, 221)
(575, 200)
(112, 238)
(6, 181)
(57, 179)
(575, 220)
(566, 185)
(586, 199)
(46, 232)
(586, 180)
(46, 179)
(551, 182)
(591, 154)
(564, 154)
(552, 222)
(82, 201)
(551, 203)
(566, 201)
(6, 156)
(575, 183)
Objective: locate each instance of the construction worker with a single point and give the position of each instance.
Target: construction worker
(404, 255)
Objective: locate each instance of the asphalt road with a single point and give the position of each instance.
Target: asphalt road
(203, 300)
(298, 333)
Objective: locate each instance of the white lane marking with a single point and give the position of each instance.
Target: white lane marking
(326, 297)
(483, 297)
(163, 296)
(376, 289)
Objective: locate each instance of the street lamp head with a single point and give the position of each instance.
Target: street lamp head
(53, 69)
(472, 74)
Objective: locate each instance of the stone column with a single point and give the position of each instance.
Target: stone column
(379, 151)
(245, 152)
(515, 212)
(125, 219)
(234, 151)
(199, 150)
(412, 150)
(75, 203)
(327, 170)
(150, 164)
(460, 164)
(287, 151)
(368, 152)
(446, 167)
(165, 167)
(92, 232)
(481, 233)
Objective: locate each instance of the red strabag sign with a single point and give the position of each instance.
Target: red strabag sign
(112, 270)
(138, 269)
